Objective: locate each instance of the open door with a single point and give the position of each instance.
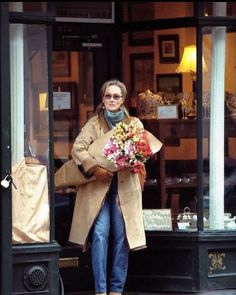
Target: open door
(73, 100)
(73, 104)
(5, 162)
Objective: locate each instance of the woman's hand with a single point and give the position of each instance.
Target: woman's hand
(101, 173)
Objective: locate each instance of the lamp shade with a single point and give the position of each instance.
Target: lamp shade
(188, 61)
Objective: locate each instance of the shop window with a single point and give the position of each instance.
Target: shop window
(167, 106)
(29, 133)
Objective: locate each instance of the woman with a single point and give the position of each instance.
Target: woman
(111, 203)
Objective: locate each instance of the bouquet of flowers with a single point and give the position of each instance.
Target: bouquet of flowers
(122, 146)
(128, 147)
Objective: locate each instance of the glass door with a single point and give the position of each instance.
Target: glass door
(5, 162)
(73, 104)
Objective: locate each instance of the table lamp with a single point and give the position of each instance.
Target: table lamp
(188, 63)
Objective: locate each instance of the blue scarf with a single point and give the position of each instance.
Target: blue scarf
(113, 118)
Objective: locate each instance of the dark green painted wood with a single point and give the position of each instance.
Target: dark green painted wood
(5, 158)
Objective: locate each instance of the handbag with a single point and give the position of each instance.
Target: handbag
(70, 175)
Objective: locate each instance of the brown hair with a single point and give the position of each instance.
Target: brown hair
(115, 83)
(109, 83)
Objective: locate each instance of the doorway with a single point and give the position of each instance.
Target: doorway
(73, 104)
(84, 57)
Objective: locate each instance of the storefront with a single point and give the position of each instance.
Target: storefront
(54, 58)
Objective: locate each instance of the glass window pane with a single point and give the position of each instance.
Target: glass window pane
(162, 96)
(219, 111)
(210, 9)
(141, 10)
(85, 11)
(173, 9)
(30, 133)
(28, 7)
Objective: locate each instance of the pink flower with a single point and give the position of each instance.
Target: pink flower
(128, 147)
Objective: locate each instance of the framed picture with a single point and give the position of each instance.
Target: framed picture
(61, 64)
(167, 112)
(171, 83)
(140, 11)
(168, 48)
(141, 72)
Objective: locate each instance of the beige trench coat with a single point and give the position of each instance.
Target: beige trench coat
(90, 196)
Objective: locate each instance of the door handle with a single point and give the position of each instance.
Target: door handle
(7, 180)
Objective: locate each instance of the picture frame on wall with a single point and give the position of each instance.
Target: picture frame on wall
(168, 46)
(171, 83)
(141, 72)
(140, 11)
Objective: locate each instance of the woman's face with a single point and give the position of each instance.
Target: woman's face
(112, 98)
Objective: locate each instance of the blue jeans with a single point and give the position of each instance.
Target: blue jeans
(109, 217)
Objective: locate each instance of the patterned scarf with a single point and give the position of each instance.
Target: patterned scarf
(113, 118)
